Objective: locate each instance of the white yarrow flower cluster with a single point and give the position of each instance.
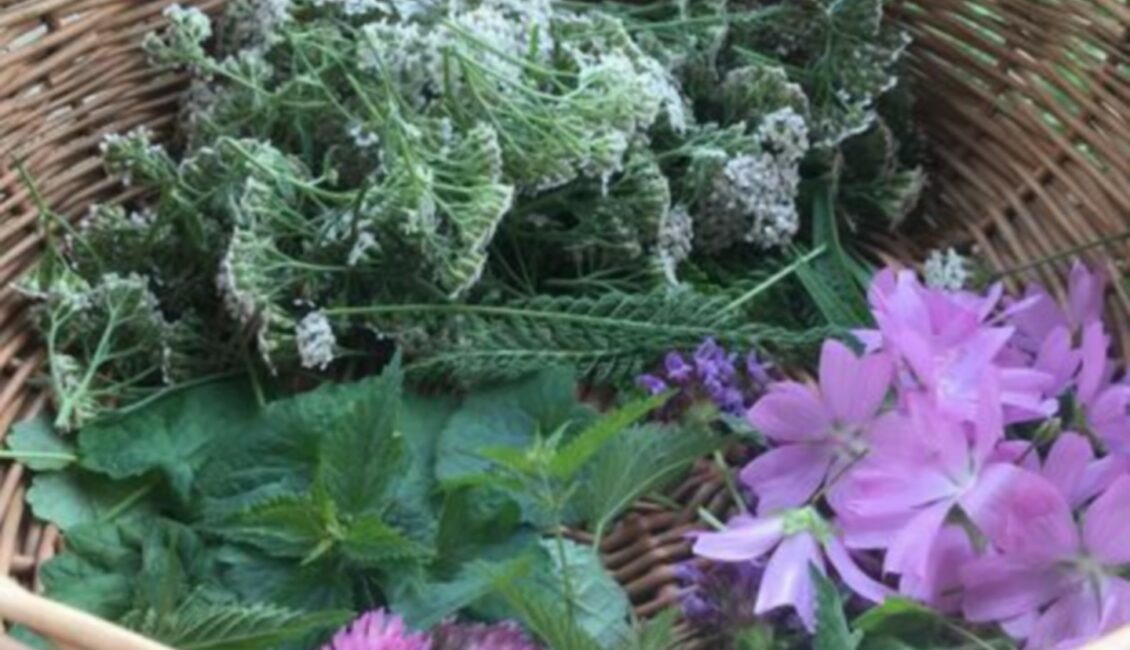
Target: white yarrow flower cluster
(675, 241)
(190, 19)
(753, 196)
(353, 7)
(947, 270)
(365, 243)
(317, 345)
(362, 137)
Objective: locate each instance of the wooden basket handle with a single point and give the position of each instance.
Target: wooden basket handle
(65, 626)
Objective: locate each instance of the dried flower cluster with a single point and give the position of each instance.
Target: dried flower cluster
(973, 457)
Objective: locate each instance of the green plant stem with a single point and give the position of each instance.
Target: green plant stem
(773, 280)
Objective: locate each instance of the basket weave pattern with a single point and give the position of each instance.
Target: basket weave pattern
(1024, 105)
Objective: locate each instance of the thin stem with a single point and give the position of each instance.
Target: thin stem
(773, 280)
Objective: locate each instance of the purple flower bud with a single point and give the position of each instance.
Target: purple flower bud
(698, 610)
(652, 384)
(678, 370)
(758, 372)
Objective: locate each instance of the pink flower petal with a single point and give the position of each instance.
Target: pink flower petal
(853, 388)
(872, 532)
(1116, 605)
(1093, 371)
(1106, 526)
(1085, 295)
(1098, 477)
(940, 586)
(1067, 462)
(791, 412)
(1021, 512)
(1070, 619)
(853, 576)
(787, 581)
(787, 477)
(1109, 417)
(745, 538)
(999, 588)
(909, 552)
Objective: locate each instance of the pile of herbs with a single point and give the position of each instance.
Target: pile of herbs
(488, 186)
(483, 189)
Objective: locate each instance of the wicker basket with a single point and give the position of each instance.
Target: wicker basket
(1025, 104)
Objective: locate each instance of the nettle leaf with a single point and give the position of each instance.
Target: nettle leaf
(289, 527)
(76, 497)
(171, 436)
(361, 444)
(832, 631)
(572, 456)
(424, 602)
(78, 582)
(36, 444)
(201, 625)
(511, 416)
(256, 577)
(641, 460)
(599, 604)
(371, 543)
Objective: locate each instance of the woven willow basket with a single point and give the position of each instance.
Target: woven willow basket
(1025, 105)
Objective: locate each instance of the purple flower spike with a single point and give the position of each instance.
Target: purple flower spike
(758, 371)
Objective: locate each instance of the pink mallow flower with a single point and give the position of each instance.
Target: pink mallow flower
(378, 630)
(924, 468)
(946, 344)
(1043, 314)
(1104, 406)
(820, 432)
(795, 542)
(1054, 580)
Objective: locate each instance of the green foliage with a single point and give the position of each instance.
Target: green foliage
(38, 446)
(201, 625)
(173, 438)
(432, 506)
(832, 630)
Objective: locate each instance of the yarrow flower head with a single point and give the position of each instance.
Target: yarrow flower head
(378, 630)
(317, 345)
(946, 270)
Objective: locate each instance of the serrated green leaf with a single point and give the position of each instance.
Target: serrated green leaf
(424, 603)
(256, 577)
(77, 582)
(285, 527)
(361, 440)
(36, 444)
(641, 460)
(832, 631)
(172, 436)
(572, 456)
(599, 605)
(200, 625)
(508, 416)
(72, 498)
(370, 543)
